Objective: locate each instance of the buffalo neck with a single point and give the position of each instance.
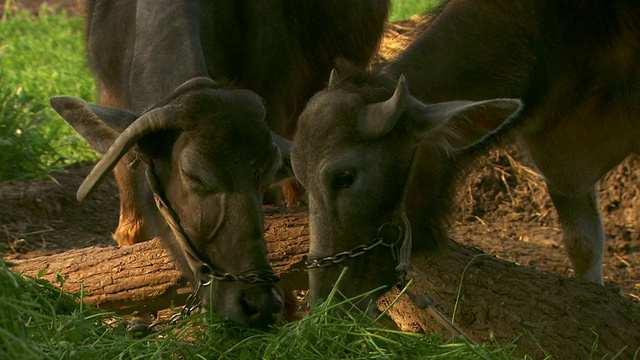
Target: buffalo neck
(177, 42)
(472, 51)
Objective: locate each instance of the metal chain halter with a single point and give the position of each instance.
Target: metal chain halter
(401, 254)
(191, 253)
(403, 257)
(358, 250)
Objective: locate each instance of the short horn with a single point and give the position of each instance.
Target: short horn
(163, 118)
(333, 80)
(376, 120)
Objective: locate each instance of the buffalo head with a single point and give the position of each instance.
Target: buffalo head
(356, 151)
(206, 155)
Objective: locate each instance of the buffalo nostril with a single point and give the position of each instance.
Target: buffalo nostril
(260, 304)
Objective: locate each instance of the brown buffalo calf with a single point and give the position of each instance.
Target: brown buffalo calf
(367, 158)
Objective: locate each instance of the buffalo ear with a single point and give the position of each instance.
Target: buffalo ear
(460, 124)
(110, 131)
(99, 125)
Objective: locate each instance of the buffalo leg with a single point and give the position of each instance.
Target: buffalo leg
(130, 228)
(293, 192)
(583, 232)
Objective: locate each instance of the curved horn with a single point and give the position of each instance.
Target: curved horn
(333, 79)
(157, 119)
(188, 86)
(199, 82)
(376, 120)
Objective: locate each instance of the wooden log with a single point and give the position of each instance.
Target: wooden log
(494, 300)
(143, 277)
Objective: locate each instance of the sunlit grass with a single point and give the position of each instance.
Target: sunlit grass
(403, 9)
(40, 56)
(38, 321)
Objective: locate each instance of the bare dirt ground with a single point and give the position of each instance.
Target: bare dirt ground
(503, 210)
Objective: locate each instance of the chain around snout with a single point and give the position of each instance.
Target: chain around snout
(359, 250)
(251, 278)
(192, 303)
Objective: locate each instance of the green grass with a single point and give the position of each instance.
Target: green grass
(403, 9)
(38, 321)
(40, 56)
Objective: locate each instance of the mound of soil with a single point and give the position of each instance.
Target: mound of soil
(505, 210)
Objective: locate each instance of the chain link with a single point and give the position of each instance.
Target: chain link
(358, 250)
(251, 278)
(193, 302)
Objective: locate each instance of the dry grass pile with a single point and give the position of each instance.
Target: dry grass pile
(503, 183)
(398, 35)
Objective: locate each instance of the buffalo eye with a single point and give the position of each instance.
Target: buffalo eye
(343, 180)
(256, 174)
(195, 182)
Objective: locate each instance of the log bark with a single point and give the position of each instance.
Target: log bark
(143, 277)
(493, 299)
(496, 300)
